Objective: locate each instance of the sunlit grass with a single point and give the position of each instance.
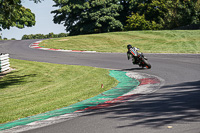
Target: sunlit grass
(35, 87)
(183, 41)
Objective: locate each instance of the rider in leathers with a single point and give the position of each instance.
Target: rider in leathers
(132, 52)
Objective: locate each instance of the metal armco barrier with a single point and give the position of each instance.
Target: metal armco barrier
(4, 62)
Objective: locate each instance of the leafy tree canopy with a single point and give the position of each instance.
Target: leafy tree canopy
(12, 13)
(168, 14)
(182, 13)
(88, 16)
(137, 22)
(93, 16)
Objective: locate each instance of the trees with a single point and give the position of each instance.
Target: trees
(12, 13)
(149, 15)
(88, 16)
(98, 16)
(42, 36)
(137, 22)
(163, 14)
(182, 13)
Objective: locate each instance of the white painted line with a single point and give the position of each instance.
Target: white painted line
(65, 50)
(44, 48)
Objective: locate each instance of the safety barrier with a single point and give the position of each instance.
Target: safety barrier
(4, 62)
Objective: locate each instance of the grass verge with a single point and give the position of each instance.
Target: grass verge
(182, 41)
(35, 87)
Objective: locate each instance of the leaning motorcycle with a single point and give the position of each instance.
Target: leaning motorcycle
(139, 58)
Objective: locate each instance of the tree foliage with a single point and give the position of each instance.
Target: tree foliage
(164, 14)
(93, 16)
(12, 13)
(98, 16)
(182, 13)
(88, 16)
(42, 36)
(137, 22)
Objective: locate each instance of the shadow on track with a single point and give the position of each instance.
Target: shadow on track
(133, 69)
(178, 103)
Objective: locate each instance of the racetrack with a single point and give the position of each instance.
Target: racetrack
(175, 107)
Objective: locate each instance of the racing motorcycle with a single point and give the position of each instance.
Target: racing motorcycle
(137, 58)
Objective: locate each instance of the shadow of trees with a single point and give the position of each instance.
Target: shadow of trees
(14, 80)
(176, 103)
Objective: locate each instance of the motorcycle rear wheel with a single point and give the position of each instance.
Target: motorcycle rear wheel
(146, 64)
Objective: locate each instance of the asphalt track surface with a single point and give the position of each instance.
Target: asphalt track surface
(174, 108)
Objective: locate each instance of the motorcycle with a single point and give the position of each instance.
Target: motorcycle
(137, 58)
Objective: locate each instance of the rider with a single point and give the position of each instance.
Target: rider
(132, 52)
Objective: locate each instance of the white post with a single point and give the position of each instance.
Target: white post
(4, 62)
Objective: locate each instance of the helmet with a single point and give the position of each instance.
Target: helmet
(129, 46)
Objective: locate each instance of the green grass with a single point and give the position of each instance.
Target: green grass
(182, 41)
(35, 87)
